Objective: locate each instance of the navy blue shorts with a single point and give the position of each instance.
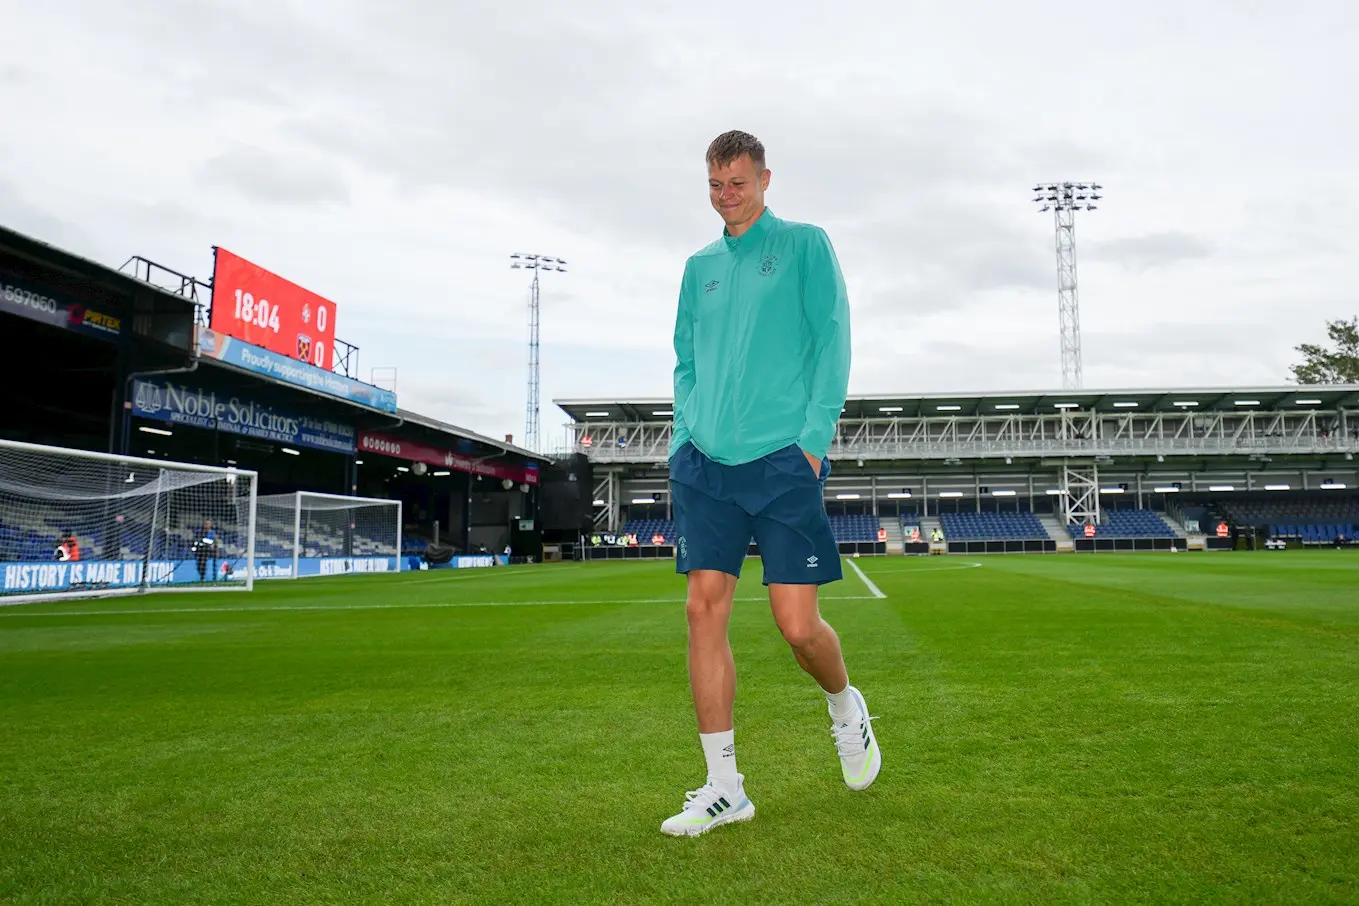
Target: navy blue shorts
(777, 500)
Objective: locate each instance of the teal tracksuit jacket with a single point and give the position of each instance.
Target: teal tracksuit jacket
(761, 344)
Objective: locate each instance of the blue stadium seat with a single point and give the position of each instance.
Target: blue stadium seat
(1312, 518)
(1126, 524)
(860, 529)
(992, 527)
(645, 529)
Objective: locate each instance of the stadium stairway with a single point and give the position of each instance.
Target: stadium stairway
(1052, 524)
(894, 536)
(1173, 526)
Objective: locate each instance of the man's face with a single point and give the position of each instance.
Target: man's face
(737, 192)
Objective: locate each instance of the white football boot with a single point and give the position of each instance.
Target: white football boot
(709, 806)
(860, 759)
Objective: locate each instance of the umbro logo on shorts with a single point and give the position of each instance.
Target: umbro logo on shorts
(811, 562)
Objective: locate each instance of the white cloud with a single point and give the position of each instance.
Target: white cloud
(392, 158)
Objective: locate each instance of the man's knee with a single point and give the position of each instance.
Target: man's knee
(802, 632)
(709, 597)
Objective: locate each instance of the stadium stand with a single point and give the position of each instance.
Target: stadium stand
(644, 529)
(1126, 524)
(847, 529)
(993, 527)
(855, 529)
(36, 540)
(1312, 520)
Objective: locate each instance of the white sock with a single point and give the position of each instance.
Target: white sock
(844, 707)
(720, 751)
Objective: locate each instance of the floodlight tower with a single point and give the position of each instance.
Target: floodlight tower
(535, 263)
(1064, 199)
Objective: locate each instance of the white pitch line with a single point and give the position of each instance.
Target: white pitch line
(877, 592)
(928, 569)
(208, 611)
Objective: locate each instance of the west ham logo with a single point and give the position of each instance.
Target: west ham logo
(304, 347)
(769, 265)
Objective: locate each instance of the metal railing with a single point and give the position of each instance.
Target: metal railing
(1258, 434)
(344, 355)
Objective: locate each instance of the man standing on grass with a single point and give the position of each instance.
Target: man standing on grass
(762, 348)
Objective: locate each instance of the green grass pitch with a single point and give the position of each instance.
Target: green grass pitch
(1060, 729)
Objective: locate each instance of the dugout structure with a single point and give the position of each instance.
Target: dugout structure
(1111, 459)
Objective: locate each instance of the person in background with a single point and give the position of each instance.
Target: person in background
(205, 549)
(67, 547)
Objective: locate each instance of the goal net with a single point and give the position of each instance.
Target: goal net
(311, 534)
(81, 524)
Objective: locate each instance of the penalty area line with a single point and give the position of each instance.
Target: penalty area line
(868, 583)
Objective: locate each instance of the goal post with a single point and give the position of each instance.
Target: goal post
(74, 523)
(306, 533)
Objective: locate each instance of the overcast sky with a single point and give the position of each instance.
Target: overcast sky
(392, 156)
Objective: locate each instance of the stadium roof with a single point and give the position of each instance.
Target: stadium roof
(50, 256)
(415, 418)
(1173, 399)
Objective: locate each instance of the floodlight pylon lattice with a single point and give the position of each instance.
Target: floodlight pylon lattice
(1064, 199)
(537, 264)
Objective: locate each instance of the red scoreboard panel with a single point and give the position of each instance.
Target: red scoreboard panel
(260, 307)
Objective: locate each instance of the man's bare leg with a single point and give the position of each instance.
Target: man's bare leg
(817, 649)
(712, 669)
(814, 642)
(712, 678)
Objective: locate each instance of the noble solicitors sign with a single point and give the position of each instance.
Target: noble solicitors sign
(182, 405)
